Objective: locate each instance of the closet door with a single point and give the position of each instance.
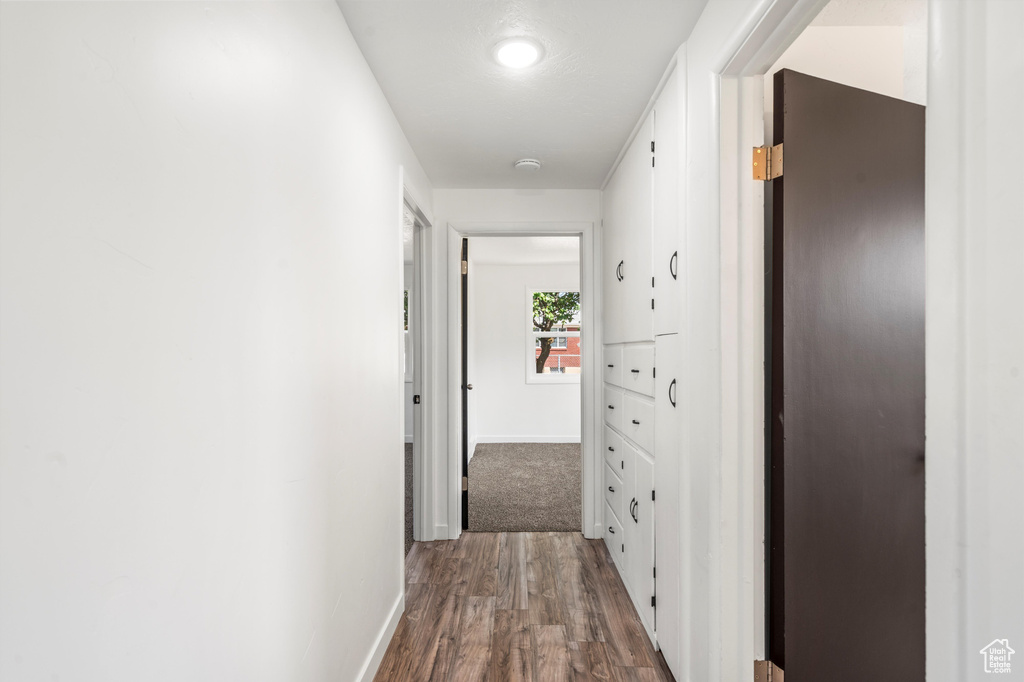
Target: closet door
(668, 357)
(666, 210)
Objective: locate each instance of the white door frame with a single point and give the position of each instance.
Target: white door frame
(590, 383)
(741, 605)
(423, 415)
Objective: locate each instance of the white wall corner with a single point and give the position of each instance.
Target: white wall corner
(383, 640)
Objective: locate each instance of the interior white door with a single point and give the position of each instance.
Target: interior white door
(666, 207)
(668, 356)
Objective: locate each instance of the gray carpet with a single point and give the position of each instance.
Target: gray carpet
(408, 497)
(525, 487)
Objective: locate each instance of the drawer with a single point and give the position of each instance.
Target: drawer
(613, 365)
(614, 450)
(613, 491)
(638, 421)
(613, 538)
(638, 369)
(613, 406)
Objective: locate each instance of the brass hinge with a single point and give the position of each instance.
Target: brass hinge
(465, 482)
(465, 268)
(766, 671)
(768, 162)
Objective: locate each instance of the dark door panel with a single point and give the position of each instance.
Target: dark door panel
(847, 573)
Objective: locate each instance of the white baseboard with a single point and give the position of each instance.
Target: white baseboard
(441, 532)
(383, 640)
(598, 532)
(528, 439)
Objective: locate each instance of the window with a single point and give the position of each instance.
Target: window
(553, 348)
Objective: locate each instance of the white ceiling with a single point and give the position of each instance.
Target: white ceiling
(469, 119)
(524, 250)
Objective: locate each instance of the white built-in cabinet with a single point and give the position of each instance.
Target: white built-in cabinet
(641, 314)
(626, 244)
(629, 474)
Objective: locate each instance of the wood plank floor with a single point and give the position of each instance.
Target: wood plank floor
(536, 607)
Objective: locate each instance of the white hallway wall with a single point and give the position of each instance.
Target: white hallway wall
(507, 409)
(189, 196)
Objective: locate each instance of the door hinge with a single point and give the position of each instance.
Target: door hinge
(652, 496)
(652, 282)
(465, 268)
(766, 671)
(465, 482)
(768, 162)
(652, 304)
(415, 400)
(654, 602)
(654, 372)
(655, 572)
(652, 146)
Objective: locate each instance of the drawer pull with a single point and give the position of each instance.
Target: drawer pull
(611, 449)
(635, 371)
(672, 393)
(611, 366)
(611, 530)
(632, 510)
(673, 265)
(636, 422)
(611, 407)
(611, 489)
(618, 270)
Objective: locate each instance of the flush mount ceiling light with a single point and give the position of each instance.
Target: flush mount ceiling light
(527, 164)
(518, 53)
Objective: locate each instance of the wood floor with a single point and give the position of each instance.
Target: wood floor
(539, 607)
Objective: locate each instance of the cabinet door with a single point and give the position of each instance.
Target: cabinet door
(626, 244)
(641, 559)
(667, 208)
(668, 359)
(638, 312)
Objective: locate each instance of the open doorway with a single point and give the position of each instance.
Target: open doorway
(523, 366)
(413, 364)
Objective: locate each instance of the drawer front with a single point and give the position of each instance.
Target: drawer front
(613, 538)
(613, 365)
(613, 406)
(613, 491)
(638, 369)
(614, 451)
(638, 421)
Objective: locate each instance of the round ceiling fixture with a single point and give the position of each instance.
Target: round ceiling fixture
(527, 164)
(518, 53)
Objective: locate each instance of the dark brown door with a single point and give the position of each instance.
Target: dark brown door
(846, 565)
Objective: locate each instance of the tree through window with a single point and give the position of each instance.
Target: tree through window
(556, 327)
